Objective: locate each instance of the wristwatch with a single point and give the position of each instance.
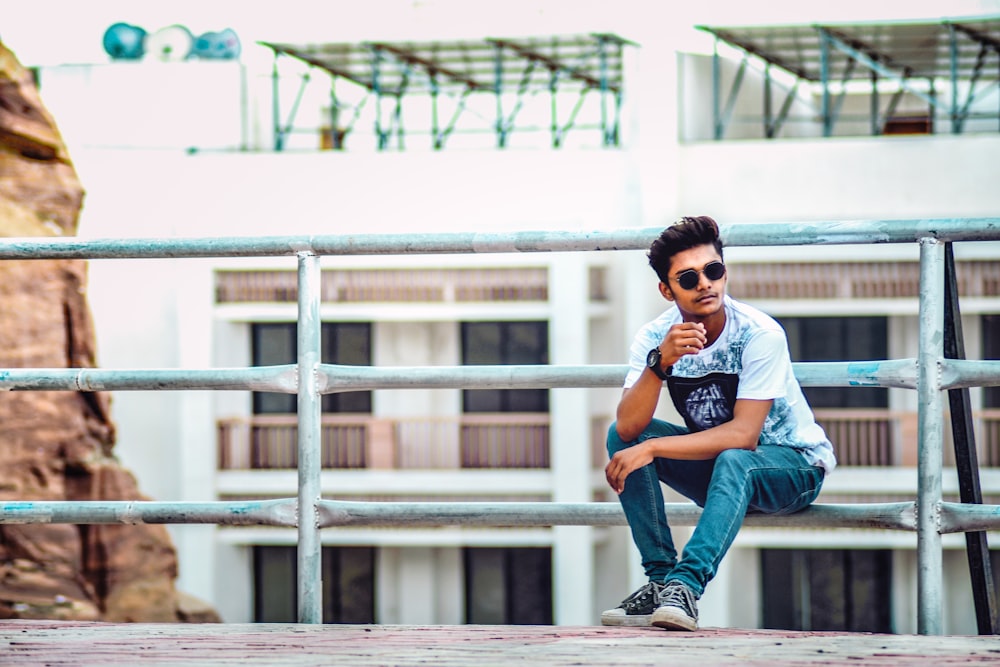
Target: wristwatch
(653, 359)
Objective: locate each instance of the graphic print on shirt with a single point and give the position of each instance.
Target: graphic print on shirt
(705, 401)
(768, 376)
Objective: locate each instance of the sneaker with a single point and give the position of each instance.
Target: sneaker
(678, 608)
(636, 609)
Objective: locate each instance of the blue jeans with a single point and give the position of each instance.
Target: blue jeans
(771, 479)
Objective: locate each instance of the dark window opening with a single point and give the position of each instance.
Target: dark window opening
(347, 343)
(827, 589)
(348, 584)
(508, 586)
(991, 350)
(839, 339)
(505, 343)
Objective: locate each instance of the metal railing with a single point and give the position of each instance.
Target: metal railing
(930, 374)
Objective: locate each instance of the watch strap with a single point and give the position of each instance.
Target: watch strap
(654, 355)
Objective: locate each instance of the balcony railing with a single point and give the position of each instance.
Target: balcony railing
(931, 373)
(889, 438)
(852, 280)
(360, 441)
(863, 437)
(989, 441)
(388, 285)
(521, 440)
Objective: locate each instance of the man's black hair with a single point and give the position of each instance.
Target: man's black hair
(686, 233)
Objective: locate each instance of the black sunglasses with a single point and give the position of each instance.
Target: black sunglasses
(689, 279)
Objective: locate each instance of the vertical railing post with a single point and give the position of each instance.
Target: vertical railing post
(498, 93)
(381, 134)
(310, 588)
(768, 111)
(602, 55)
(279, 136)
(930, 435)
(717, 127)
(953, 52)
(824, 73)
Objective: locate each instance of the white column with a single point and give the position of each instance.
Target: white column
(569, 342)
(195, 448)
(418, 599)
(450, 573)
(387, 585)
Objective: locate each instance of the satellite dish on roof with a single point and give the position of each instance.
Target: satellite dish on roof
(222, 45)
(170, 44)
(123, 41)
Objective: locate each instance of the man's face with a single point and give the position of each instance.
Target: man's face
(705, 298)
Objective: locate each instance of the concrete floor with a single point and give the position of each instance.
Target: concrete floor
(57, 643)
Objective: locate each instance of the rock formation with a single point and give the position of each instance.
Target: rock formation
(58, 445)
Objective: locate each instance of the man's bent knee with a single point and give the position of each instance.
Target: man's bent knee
(735, 456)
(615, 442)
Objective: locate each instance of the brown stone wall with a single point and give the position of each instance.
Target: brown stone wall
(58, 445)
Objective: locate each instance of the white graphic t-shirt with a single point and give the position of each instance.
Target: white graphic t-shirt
(748, 360)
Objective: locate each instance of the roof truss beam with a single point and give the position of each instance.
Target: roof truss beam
(881, 69)
(941, 63)
(454, 70)
(429, 66)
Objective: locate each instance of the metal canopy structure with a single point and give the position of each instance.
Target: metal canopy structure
(961, 56)
(510, 70)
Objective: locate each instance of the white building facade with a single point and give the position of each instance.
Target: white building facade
(155, 165)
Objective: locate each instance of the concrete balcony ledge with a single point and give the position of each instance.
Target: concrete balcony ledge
(460, 482)
(898, 482)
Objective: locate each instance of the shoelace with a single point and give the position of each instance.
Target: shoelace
(642, 597)
(678, 596)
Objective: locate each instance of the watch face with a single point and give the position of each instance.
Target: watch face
(653, 359)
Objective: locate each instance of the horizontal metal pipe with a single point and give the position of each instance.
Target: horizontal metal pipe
(346, 244)
(733, 234)
(282, 379)
(524, 514)
(895, 516)
(966, 517)
(963, 373)
(242, 513)
(336, 378)
(888, 516)
(901, 373)
(337, 513)
(860, 231)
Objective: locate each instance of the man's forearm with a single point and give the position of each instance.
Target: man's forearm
(699, 446)
(637, 405)
(741, 432)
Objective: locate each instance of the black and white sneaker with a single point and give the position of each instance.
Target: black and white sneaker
(678, 608)
(636, 609)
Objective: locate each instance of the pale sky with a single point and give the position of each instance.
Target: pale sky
(52, 32)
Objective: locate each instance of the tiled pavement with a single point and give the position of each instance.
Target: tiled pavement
(59, 643)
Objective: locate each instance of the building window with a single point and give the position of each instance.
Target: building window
(502, 343)
(839, 339)
(995, 572)
(348, 585)
(827, 589)
(346, 343)
(508, 586)
(991, 350)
